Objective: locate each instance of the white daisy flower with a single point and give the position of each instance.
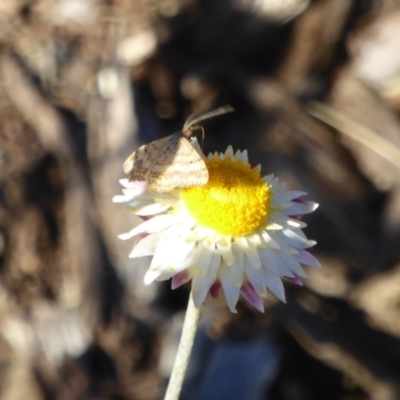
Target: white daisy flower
(240, 233)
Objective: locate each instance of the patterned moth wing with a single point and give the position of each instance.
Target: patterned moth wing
(179, 165)
(137, 165)
(166, 164)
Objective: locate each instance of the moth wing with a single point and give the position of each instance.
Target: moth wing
(179, 165)
(138, 165)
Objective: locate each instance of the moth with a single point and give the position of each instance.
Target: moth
(173, 161)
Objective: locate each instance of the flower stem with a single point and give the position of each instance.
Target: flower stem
(189, 329)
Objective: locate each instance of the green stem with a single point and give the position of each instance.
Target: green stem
(189, 329)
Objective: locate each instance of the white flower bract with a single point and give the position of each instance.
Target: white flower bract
(183, 249)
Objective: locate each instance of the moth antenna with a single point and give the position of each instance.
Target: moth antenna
(190, 123)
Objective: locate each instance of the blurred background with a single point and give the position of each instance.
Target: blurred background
(316, 88)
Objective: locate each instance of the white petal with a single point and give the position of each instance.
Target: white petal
(120, 199)
(202, 284)
(237, 267)
(124, 182)
(163, 268)
(173, 256)
(258, 168)
(178, 230)
(268, 179)
(275, 285)
(255, 277)
(312, 206)
(197, 234)
(300, 208)
(291, 262)
(271, 261)
(226, 253)
(288, 195)
(284, 243)
(138, 193)
(205, 256)
(245, 157)
(188, 256)
(161, 256)
(231, 291)
(153, 225)
(297, 239)
(237, 156)
(286, 222)
(151, 209)
(214, 155)
(131, 194)
(278, 239)
(242, 243)
(254, 258)
(276, 187)
(273, 226)
(269, 241)
(229, 152)
(255, 240)
(151, 275)
(295, 223)
(145, 247)
(304, 257)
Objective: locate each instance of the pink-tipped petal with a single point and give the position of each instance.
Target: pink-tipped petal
(215, 289)
(305, 258)
(138, 185)
(145, 246)
(252, 297)
(180, 279)
(296, 280)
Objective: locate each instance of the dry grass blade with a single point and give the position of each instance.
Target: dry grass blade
(356, 131)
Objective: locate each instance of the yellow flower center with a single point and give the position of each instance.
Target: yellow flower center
(234, 202)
